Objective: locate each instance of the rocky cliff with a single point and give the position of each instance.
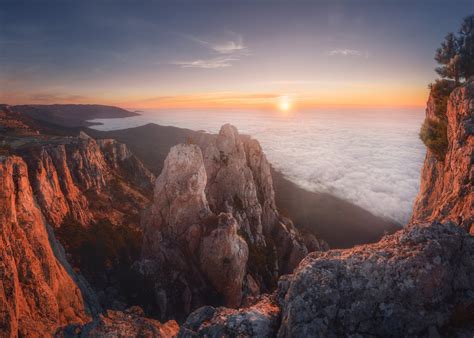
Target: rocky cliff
(214, 223)
(38, 292)
(446, 186)
(59, 187)
(75, 179)
(416, 283)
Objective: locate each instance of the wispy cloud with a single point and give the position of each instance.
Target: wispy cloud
(348, 52)
(213, 63)
(223, 54)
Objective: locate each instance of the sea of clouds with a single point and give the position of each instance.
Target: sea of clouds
(370, 157)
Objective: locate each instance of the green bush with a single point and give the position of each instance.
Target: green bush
(440, 91)
(434, 136)
(434, 133)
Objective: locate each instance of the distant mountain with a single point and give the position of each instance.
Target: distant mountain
(72, 115)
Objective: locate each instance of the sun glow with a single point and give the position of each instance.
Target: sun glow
(284, 103)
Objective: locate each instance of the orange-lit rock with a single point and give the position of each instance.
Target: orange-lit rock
(38, 292)
(446, 191)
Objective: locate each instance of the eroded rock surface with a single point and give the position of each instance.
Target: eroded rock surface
(417, 282)
(223, 258)
(37, 294)
(258, 320)
(124, 324)
(190, 254)
(446, 191)
(214, 223)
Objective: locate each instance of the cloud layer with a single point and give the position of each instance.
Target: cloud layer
(371, 158)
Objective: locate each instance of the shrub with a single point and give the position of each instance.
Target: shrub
(440, 91)
(434, 133)
(434, 136)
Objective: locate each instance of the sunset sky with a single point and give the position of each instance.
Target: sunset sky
(222, 54)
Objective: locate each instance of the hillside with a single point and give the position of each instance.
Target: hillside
(71, 115)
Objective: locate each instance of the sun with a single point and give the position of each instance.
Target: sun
(284, 103)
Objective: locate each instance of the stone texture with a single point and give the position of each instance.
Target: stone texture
(446, 187)
(258, 320)
(75, 179)
(213, 221)
(240, 183)
(202, 250)
(124, 324)
(412, 283)
(179, 198)
(37, 293)
(223, 259)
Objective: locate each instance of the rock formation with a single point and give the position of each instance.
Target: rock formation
(258, 320)
(446, 191)
(240, 182)
(128, 323)
(48, 181)
(73, 178)
(214, 222)
(183, 235)
(416, 282)
(411, 283)
(38, 294)
(223, 259)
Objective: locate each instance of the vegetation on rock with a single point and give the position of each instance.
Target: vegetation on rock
(433, 132)
(456, 60)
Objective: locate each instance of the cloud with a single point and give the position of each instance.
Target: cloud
(371, 158)
(231, 47)
(348, 52)
(223, 54)
(212, 63)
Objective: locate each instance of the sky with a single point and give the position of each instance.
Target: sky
(222, 54)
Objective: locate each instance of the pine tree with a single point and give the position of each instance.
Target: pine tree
(466, 47)
(446, 55)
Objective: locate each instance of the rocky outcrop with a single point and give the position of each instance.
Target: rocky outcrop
(258, 320)
(55, 181)
(182, 235)
(223, 259)
(75, 179)
(446, 186)
(37, 294)
(240, 183)
(128, 323)
(214, 222)
(417, 282)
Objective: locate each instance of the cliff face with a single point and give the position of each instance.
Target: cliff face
(74, 179)
(48, 182)
(214, 219)
(38, 294)
(446, 187)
